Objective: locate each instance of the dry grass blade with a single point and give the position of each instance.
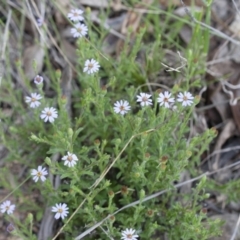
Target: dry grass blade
(95, 3)
(236, 229)
(3, 44)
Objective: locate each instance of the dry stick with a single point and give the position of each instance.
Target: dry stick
(5, 36)
(151, 197)
(233, 101)
(5, 39)
(218, 152)
(6, 197)
(42, 35)
(219, 60)
(219, 33)
(236, 229)
(118, 156)
(211, 106)
(235, 5)
(231, 85)
(183, 64)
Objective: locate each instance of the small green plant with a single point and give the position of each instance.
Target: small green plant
(108, 169)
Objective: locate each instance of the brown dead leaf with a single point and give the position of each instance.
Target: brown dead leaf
(60, 16)
(236, 114)
(133, 18)
(132, 21)
(219, 99)
(221, 9)
(69, 51)
(34, 53)
(110, 42)
(228, 131)
(235, 49)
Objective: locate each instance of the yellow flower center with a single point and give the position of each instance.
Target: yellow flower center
(60, 210)
(39, 174)
(38, 79)
(90, 66)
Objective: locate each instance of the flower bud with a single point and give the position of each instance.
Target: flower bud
(48, 161)
(142, 194)
(29, 218)
(70, 133)
(58, 73)
(34, 138)
(111, 194)
(147, 155)
(137, 174)
(124, 190)
(112, 218)
(97, 142)
(150, 213)
(10, 228)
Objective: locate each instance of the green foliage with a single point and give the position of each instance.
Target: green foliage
(122, 159)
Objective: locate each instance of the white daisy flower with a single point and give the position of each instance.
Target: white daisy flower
(121, 107)
(76, 15)
(79, 30)
(33, 100)
(186, 98)
(7, 207)
(128, 234)
(39, 173)
(144, 99)
(91, 66)
(49, 114)
(70, 159)
(165, 99)
(61, 210)
(38, 80)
